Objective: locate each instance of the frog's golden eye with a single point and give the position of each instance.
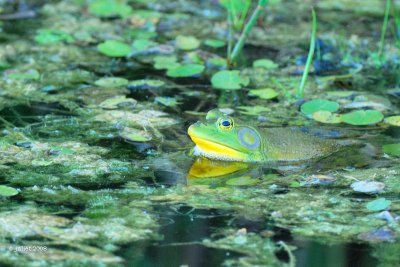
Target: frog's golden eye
(225, 124)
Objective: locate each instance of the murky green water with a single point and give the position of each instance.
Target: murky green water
(103, 168)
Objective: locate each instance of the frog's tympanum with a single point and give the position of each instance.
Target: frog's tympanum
(223, 138)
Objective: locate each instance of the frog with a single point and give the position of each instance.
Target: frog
(221, 137)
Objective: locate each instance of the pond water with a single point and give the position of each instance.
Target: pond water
(97, 168)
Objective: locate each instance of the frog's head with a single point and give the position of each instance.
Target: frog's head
(223, 138)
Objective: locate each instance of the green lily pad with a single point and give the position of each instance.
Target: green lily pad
(165, 62)
(31, 74)
(111, 82)
(378, 204)
(214, 43)
(117, 102)
(229, 80)
(6, 191)
(326, 117)
(393, 120)
(187, 42)
(253, 110)
(112, 48)
(53, 37)
(266, 93)
(243, 180)
(315, 105)
(140, 45)
(135, 135)
(145, 84)
(265, 64)
(392, 149)
(362, 117)
(187, 70)
(166, 101)
(108, 8)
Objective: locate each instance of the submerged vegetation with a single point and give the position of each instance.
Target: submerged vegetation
(97, 169)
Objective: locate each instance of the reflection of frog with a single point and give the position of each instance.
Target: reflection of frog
(224, 139)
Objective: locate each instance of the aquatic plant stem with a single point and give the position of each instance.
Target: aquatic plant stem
(300, 91)
(384, 28)
(230, 36)
(245, 33)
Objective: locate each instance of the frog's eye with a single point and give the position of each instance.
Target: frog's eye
(225, 124)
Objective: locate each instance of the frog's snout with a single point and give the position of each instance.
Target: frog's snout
(193, 126)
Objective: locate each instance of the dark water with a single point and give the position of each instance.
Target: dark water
(182, 235)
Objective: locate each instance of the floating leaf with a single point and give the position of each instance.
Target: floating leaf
(165, 62)
(214, 43)
(53, 37)
(114, 48)
(266, 93)
(7, 191)
(315, 105)
(117, 102)
(145, 84)
(340, 94)
(187, 70)
(243, 180)
(31, 74)
(166, 101)
(368, 187)
(392, 149)
(229, 80)
(111, 82)
(108, 8)
(265, 63)
(378, 204)
(135, 135)
(326, 117)
(187, 42)
(140, 45)
(393, 120)
(362, 117)
(253, 110)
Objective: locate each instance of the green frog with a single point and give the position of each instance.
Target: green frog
(223, 138)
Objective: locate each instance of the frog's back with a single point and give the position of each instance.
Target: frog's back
(285, 144)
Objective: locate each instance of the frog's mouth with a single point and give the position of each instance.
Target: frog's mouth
(214, 150)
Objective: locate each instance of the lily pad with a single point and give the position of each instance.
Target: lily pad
(378, 204)
(362, 117)
(392, 149)
(31, 74)
(326, 117)
(315, 105)
(393, 120)
(167, 101)
(214, 43)
(243, 180)
(52, 37)
(229, 80)
(112, 48)
(187, 42)
(253, 110)
(135, 135)
(145, 84)
(111, 82)
(117, 102)
(367, 187)
(108, 8)
(165, 62)
(266, 93)
(187, 70)
(265, 64)
(6, 191)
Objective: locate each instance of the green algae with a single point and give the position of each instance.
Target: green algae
(91, 159)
